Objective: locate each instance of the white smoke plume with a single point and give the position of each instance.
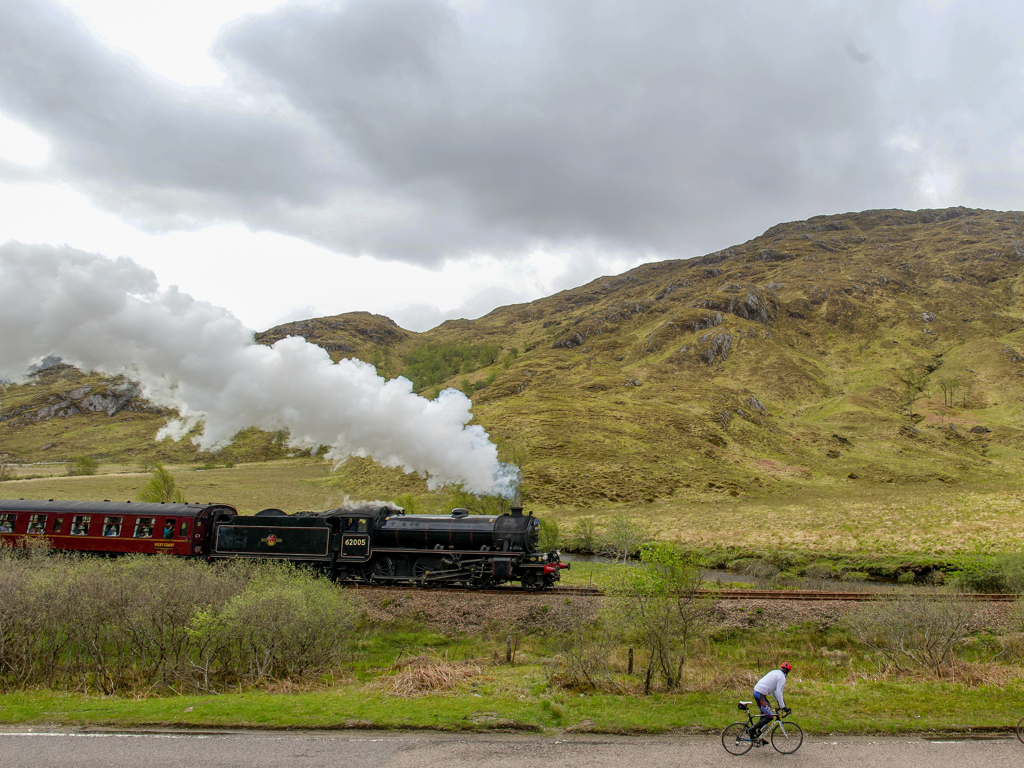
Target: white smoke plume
(111, 315)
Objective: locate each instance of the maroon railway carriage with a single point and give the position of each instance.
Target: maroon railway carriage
(112, 528)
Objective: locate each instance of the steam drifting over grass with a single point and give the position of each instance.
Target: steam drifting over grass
(111, 315)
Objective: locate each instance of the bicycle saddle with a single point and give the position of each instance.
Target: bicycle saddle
(745, 704)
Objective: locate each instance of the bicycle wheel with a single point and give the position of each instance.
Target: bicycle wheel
(1020, 730)
(736, 740)
(787, 738)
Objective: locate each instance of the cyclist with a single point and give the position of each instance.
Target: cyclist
(772, 683)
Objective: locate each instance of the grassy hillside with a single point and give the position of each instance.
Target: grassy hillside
(829, 359)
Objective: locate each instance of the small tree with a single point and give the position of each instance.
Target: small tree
(622, 538)
(550, 536)
(6, 470)
(161, 488)
(583, 535)
(489, 353)
(913, 384)
(82, 465)
(949, 385)
(662, 610)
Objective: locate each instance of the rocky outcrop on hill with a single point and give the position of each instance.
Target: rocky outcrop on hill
(759, 304)
(350, 334)
(120, 395)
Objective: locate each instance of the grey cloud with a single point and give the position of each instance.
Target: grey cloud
(422, 129)
(112, 123)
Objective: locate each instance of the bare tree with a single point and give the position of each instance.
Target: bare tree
(949, 385)
(586, 642)
(662, 610)
(915, 632)
(622, 538)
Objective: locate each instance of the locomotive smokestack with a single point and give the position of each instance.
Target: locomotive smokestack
(516, 511)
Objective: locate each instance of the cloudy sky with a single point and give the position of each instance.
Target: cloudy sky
(428, 159)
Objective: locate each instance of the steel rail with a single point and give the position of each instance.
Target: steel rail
(513, 591)
(798, 595)
(812, 595)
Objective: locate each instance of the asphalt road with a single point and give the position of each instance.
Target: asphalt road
(32, 748)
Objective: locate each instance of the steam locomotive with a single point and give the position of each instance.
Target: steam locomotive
(377, 544)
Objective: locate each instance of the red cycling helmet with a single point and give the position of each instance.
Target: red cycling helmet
(786, 666)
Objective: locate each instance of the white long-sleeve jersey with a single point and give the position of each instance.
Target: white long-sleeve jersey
(772, 683)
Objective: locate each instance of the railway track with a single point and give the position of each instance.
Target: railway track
(722, 594)
(511, 591)
(809, 595)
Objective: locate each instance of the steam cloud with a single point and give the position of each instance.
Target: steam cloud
(111, 315)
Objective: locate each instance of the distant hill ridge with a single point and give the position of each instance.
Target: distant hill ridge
(861, 347)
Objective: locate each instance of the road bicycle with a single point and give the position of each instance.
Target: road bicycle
(785, 736)
(1020, 730)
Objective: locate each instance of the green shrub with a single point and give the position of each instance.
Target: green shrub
(432, 364)
(82, 465)
(141, 624)
(550, 536)
(161, 488)
(286, 625)
(410, 503)
(583, 536)
(980, 572)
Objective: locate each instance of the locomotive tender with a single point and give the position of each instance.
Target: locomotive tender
(368, 543)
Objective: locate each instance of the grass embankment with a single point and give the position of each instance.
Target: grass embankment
(874, 707)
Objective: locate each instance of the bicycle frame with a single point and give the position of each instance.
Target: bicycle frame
(767, 732)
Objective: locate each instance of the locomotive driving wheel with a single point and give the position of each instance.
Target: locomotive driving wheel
(424, 568)
(532, 581)
(383, 569)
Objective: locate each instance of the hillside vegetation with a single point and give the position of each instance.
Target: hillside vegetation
(829, 357)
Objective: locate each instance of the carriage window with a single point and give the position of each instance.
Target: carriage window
(184, 528)
(58, 524)
(168, 529)
(6, 523)
(36, 524)
(80, 525)
(112, 526)
(144, 527)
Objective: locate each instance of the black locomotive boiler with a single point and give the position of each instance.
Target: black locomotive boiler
(383, 545)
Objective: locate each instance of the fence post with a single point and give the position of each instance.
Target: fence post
(630, 671)
(508, 650)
